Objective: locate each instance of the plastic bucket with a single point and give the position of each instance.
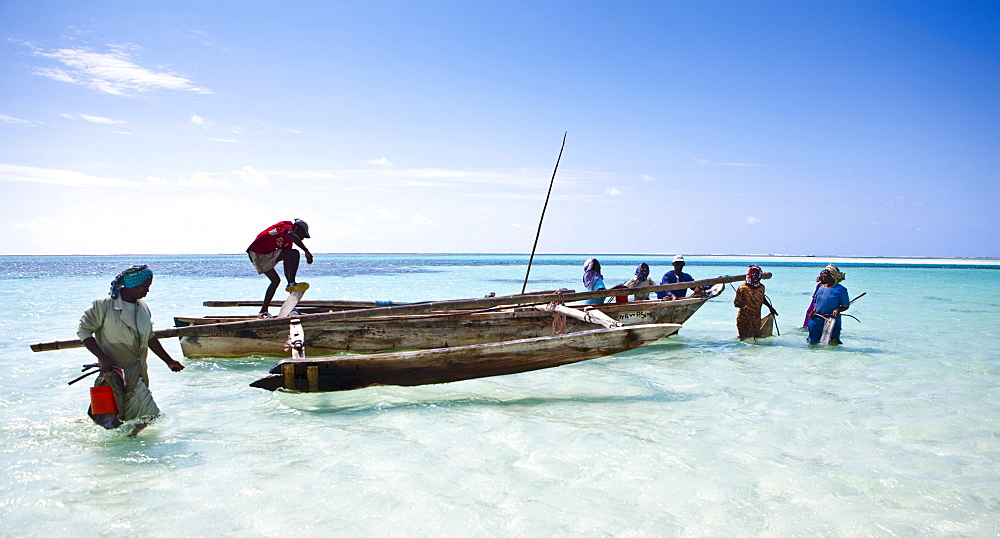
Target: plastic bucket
(102, 400)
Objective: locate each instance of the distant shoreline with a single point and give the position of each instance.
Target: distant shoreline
(613, 258)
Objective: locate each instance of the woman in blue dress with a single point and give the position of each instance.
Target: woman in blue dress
(593, 279)
(831, 299)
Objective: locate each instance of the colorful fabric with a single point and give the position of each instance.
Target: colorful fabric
(827, 300)
(836, 273)
(753, 276)
(749, 300)
(273, 238)
(130, 278)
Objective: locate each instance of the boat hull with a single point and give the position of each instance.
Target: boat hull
(421, 331)
(432, 366)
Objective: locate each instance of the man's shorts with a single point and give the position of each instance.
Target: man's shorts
(264, 262)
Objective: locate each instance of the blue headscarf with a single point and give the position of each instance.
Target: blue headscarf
(130, 278)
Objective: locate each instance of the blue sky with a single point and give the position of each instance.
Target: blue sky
(807, 128)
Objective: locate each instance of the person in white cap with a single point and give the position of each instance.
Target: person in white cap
(273, 245)
(673, 277)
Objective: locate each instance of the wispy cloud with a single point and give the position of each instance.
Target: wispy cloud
(17, 121)
(706, 162)
(613, 192)
(381, 161)
(31, 174)
(752, 220)
(112, 72)
(101, 121)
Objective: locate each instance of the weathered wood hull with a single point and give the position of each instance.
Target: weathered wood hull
(421, 331)
(431, 366)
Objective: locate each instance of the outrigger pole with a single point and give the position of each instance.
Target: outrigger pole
(540, 219)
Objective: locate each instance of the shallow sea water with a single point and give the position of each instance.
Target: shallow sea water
(895, 433)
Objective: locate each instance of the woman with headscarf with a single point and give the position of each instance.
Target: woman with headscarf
(640, 280)
(838, 277)
(593, 279)
(749, 299)
(829, 300)
(118, 330)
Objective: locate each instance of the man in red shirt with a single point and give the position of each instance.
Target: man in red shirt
(273, 245)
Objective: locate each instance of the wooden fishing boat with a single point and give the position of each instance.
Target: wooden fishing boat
(430, 366)
(266, 336)
(435, 329)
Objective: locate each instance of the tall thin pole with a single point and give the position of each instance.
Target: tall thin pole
(540, 219)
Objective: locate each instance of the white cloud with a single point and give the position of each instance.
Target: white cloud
(381, 161)
(752, 220)
(31, 174)
(101, 121)
(199, 179)
(613, 192)
(197, 120)
(385, 214)
(252, 176)
(113, 72)
(421, 220)
(646, 177)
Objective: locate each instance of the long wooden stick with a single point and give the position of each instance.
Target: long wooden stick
(540, 219)
(417, 308)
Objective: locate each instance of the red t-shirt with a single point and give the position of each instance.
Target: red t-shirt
(273, 238)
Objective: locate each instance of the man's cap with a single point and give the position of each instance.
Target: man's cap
(305, 227)
(677, 258)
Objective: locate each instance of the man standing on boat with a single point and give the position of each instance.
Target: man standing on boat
(273, 245)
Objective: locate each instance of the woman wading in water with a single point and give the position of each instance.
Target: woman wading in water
(118, 330)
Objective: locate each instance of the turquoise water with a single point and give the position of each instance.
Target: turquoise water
(895, 433)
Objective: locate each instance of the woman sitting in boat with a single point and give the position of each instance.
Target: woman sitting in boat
(830, 299)
(749, 299)
(118, 330)
(640, 280)
(593, 279)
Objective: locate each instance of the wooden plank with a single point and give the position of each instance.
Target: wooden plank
(411, 368)
(288, 373)
(588, 316)
(487, 302)
(312, 377)
(290, 303)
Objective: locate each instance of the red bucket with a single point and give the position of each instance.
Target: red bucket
(102, 400)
